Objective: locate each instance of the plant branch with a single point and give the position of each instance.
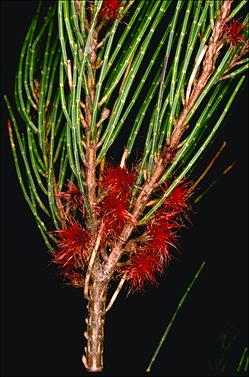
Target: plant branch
(139, 206)
(212, 53)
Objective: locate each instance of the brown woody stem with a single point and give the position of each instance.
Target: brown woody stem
(91, 180)
(93, 360)
(91, 262)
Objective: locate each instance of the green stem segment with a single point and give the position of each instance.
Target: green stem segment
(243, 360)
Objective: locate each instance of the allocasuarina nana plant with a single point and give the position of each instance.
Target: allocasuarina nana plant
(167, 72)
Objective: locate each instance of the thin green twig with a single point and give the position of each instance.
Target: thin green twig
(245, 357)
(167, 330)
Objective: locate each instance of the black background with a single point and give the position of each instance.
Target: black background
(43, 323)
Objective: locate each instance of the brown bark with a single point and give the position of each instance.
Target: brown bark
(93, 360)
(91, 180)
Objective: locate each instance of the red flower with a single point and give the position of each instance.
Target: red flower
(110, 9)
(117, 180)
(153, 251)
(72, 197)
(116, 183)
(72, 247)
(142, 268)
(178, 198)
(114, 212)
(161, 237)
(233, 32)
(114, 207)
(75, 279)
(162, 229)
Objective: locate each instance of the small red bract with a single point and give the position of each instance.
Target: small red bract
(75, 279)
(110, 9)
(233, 31)
(72, 196)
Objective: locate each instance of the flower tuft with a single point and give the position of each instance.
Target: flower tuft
(233, 31)
(117, 180)
(110, 9)
(75, 279)
(161, 236)
(142, 268)
(153, 247)
(178, 198)
(116, 184)
(72, 196)
(72, 253)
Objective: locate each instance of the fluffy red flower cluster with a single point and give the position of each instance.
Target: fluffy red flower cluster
(233, 31)
(72, 198)
(116, 183)
(72, 252)
(110, 9)
(74, 241)
(152, 249)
